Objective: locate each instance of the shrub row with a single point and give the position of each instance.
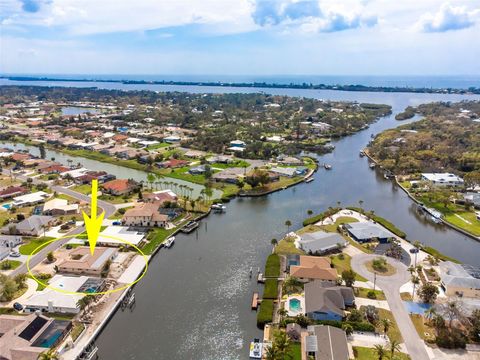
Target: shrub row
(272, 266)
(270, 290)
(320, 217)
(265, 314)
(357, 326)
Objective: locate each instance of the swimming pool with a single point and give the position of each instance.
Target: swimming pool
(417, 307)
(7, 206)
(295, 305)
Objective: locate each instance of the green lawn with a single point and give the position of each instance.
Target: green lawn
(10, 264)
(344, 264)
(83, 189)
(32, 244)
(155, 238)
(363, 353)
(272, 266)
(158, 146)
(393, 332)
(295, 350)
(363, 293)
(423, 330)
(286, 246)
(235, 164)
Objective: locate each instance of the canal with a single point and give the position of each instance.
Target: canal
(194, 303)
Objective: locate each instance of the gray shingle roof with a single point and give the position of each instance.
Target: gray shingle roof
(368, 230)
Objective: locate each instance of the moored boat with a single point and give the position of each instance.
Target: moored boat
(310, 179)
(327, 166)
(169, 242)
(372, 165)
(191, 225)
(256, 349)
(362, 153)
(219, 207)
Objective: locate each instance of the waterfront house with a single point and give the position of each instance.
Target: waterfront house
(320, 242)
(443, 179)
(326, 302)
(366, 231)
(172, 163)
(32, 226)
(30, 199)
(230, 176)
(160, 197)
(312, 268)
(59, 207)
(12, 191)
(289, 160)
(198, 170)
(82, 262)
(325, 342)
(120, 187)
(284, 171)
(460, 280)
(52, 301)
(145, 214)
(26, 337)
(54, 169)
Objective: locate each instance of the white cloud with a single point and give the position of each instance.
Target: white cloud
(447, 18)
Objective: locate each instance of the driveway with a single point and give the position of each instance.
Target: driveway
(391, 287)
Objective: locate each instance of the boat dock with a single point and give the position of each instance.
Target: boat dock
(255, 301)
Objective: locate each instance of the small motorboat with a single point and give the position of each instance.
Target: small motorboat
(310, 179)
(169, 242)
(372, 165)
(219, 207)
(327, 166)
(362, 153)
(256, 349)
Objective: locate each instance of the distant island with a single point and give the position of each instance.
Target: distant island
(310, 86)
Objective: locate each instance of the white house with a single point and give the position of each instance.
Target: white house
(30, 199)
(443, 179)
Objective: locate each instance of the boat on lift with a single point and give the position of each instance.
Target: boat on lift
(219, 207)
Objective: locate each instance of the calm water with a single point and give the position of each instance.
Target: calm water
(74, 110)
(194, 303)
(119, 171)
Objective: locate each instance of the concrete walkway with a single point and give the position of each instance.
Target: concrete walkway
(391, 287)
(377, 303)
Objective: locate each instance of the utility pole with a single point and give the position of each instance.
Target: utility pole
(374, 279)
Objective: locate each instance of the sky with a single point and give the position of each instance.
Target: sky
(236, 37)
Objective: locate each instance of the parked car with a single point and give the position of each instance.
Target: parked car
(116, 223)
(15, 254)
(17, 306)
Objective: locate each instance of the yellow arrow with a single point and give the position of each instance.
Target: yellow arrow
(92, 223)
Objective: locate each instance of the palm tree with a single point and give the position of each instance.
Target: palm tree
(282, 343)
(385, 325)
(394, 346)
(381, 351)
(288, 223)
(48, 355)
(150, 179)
(415, 281)
(430, 313)
(274, 241)
(271, 353)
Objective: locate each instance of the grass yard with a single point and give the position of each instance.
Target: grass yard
(363, 353)
(287, 246)
(295, 351)
(10, 264)
(77, 329)
(32, 244)
(340, 221)
(83, 189)
(423, 330)
(272, 266)
(406, 296)
(387, 271)
(158, 146)
(363, 293)
(344, 264)
(393, 332)
(155, 238)
(465, 220)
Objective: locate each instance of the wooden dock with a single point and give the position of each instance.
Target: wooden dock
(255, 301)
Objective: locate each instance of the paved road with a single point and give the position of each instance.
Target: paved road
(108, 208)
(391, 287)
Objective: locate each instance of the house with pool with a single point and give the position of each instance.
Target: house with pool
(26, 337)
(324, 301)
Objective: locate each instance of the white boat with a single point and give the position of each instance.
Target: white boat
(256, 349)
(310, 179)
(327, 166)
(169, 242)
(219, 207)
(372, 165)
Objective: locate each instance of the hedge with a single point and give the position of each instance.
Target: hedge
(320, 217)
(271, 289)
(265, 315)
(272, 266)
(384, 222)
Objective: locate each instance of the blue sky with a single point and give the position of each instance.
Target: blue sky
(255, 37)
